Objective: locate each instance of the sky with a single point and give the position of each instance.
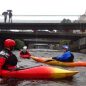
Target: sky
(44, 7)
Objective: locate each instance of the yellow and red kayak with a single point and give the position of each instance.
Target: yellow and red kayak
(59, 63)
(40, 72)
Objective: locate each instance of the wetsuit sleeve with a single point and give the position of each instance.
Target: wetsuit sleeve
(2, 61)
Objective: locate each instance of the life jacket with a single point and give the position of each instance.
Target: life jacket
(71, 58)
(11, 59)
(25, 53)
(63, 59)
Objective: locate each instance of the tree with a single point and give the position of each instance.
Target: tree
(64, 42)
(19, 44)
(66, 21)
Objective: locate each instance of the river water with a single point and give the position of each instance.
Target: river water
(77, 80)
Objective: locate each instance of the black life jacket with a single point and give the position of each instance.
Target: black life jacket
(11, 59)
(71, 58)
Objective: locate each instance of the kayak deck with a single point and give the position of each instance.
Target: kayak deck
(55, 62)
(41, 72)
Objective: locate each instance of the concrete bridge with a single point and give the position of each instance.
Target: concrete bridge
(64, 31)
(28, 35)
(49, 26)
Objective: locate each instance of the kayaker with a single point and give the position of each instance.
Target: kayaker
(24, 53)
(8, 60)
(67, 56)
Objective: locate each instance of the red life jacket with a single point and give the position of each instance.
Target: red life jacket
(25, 54)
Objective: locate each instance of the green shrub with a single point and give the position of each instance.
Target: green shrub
(19, 44)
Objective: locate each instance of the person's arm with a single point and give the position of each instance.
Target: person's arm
(2, 61)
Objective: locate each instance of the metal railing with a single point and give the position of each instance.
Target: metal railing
(43, 18)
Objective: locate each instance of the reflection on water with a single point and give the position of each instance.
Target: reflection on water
(78, 80)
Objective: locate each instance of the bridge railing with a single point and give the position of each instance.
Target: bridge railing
(43, 18)
(44, 31)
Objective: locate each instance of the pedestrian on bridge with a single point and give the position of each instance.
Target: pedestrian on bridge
(5, 16)
(10, 15)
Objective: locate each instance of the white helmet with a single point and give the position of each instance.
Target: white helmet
(24, 48)
(65, 47)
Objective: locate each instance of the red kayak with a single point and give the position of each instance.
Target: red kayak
(40, 72)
